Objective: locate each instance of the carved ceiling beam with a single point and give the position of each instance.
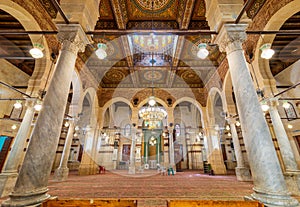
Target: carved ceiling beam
(128, 56)
(171, 78)
(59, 9)
(186, 18)
(156, 31)
(116, 5)
(127, 51)
(147, 31)
(134, 78)
(175, 62)
(178, 50)
(18, 62)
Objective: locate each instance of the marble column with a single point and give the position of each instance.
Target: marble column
(291, 172)
(9, 173)
(158, 150)
(171, 149)
(31, 186)
(190, 147)
(62, 172)
(146, 147)
(241, 171)
(215, 155)
(269, 184)
(95, 150)
(132, 151)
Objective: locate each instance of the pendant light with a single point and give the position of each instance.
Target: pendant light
(18, 104)
(266, 51)
(37, 51)
(101, 51)
(202, 52)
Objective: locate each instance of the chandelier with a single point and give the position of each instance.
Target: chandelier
(152, 115)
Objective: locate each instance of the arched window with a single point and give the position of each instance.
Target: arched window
(290, 112)
(127, 130)
(177, 130)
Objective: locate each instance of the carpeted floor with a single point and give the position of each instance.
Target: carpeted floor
(150, 188)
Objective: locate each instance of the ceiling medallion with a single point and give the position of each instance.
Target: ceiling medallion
(190, 76)
(152, 75)
(158, 5)
(114, 75)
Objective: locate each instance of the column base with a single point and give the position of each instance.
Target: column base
(7, 183)
(61, 174)
(27, 199)
(217, 164)
(272, 199)
(87, 169)
(131, 170)
(292, 180)
(243, 174)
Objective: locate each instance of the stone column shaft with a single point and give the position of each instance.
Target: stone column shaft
(157, 153)
(242, 172)
(215, 156)
(132, 152)
(170, 119)
(282, 138)
(31, 186)
(269, 184)
(10, 170)
(146, 154)
(171, 148)
(291, 171)
(62, 172)
(237, 147)
(67, 147)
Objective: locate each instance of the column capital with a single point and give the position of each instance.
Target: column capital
(273, 102)
(170, 116)
(135, 115)
(72, 37)
(30, 102)
(231, 120)
(73, 110)
(231, 36)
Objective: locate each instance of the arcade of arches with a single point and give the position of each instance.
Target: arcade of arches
(92, 104)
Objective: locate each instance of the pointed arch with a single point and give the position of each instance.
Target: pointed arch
(261, 66)
(30, 24)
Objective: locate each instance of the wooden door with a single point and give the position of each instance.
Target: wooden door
(126, 152)
(80, 153)
(297, 140)
(4, 150)
(178, 156)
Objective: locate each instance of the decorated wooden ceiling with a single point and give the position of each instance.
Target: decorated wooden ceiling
(149, 57)
(147, 14)
(14, 48)
(287, 47)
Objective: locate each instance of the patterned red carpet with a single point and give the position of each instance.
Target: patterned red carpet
(151, 189)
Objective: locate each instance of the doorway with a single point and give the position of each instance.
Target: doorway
(5, 143)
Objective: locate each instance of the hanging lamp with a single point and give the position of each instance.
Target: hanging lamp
(202, 52)
(101, 51)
